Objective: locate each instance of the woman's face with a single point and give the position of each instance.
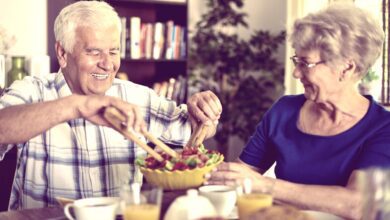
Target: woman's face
(94, 62)
(320, 82)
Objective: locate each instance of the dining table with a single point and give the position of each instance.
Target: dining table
(57, 212)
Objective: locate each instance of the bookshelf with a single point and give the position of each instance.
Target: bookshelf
(140, 68)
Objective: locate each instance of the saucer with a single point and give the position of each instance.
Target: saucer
(233, 214)
(317, 215)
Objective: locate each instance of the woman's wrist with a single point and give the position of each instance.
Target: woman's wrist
(265, 185)
(270, 185)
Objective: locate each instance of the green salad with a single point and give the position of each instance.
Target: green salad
(189, 158)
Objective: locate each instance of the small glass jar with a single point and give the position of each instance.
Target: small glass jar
(17, 71)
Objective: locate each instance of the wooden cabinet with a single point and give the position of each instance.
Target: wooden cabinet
(146, 71)
(7, 170)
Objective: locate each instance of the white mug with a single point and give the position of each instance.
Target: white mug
(222, 197)
(99, 208)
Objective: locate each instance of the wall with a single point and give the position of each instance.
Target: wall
(27, 21)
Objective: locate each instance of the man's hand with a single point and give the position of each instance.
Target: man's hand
(204, 108)
(91, 108)
(44, 115)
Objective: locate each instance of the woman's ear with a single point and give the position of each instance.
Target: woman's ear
(348, 70)
(61, 55)
(350, 66)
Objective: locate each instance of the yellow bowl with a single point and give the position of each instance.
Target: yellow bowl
(175, 180)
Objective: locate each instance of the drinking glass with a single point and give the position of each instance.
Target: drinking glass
(375, 186)
(141, 203)
(252, 200)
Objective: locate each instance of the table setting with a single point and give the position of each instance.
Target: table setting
(173, 189)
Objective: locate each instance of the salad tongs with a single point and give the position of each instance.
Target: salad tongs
(116, 119)
(197, 136)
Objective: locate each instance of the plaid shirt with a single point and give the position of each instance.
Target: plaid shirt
(78, 159)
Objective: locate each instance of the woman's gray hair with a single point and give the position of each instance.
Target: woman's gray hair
(83, 13)
(341, 32)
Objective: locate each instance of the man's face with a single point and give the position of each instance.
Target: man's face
(94, 62)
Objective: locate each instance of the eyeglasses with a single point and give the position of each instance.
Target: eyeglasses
(301, 64)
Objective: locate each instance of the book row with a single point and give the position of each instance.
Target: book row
(173, 89)
(142, 40)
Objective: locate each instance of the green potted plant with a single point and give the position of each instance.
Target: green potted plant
(369, 84)
(244, 74)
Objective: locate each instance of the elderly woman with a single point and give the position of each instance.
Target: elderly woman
(321, 140)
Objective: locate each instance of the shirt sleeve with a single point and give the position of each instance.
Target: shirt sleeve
(20, 92)
(4, 148)
(259, 151)
(376, 151)
(169, 120)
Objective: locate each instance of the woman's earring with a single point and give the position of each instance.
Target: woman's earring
(341, 78)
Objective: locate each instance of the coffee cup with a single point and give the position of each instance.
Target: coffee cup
(222, 197)
(99, 208)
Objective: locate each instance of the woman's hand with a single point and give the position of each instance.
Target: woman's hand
(234, 173)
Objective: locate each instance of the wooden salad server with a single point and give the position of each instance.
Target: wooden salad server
(116, 119)
(198, 136)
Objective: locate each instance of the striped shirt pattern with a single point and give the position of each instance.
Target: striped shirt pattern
(78, 159)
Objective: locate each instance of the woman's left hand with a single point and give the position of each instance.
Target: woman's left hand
(233, 174)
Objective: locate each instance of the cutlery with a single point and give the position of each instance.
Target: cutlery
(116, 119)
(198, 136)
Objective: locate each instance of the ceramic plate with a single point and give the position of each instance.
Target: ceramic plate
(63, 201)
(321, 215)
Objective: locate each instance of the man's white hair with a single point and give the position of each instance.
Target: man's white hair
(83, 13)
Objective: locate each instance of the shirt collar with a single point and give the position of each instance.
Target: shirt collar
(61, 86)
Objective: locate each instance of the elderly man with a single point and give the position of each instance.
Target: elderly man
(65, 146)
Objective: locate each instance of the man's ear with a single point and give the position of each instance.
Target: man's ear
(61, 55)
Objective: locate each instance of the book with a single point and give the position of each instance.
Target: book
(122, 76)
(142, 42)
(176, 89)
(163, 89)
(149, 41)
(176, 42)
(157, 87)
(170, 34)
(135, 37)
(158, 43)
(179, 90)
(171, 87)
(183, 90)
(183, 46)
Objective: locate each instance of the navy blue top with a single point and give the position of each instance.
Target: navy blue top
(312, 159)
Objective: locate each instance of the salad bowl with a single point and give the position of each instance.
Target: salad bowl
(184, 172)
